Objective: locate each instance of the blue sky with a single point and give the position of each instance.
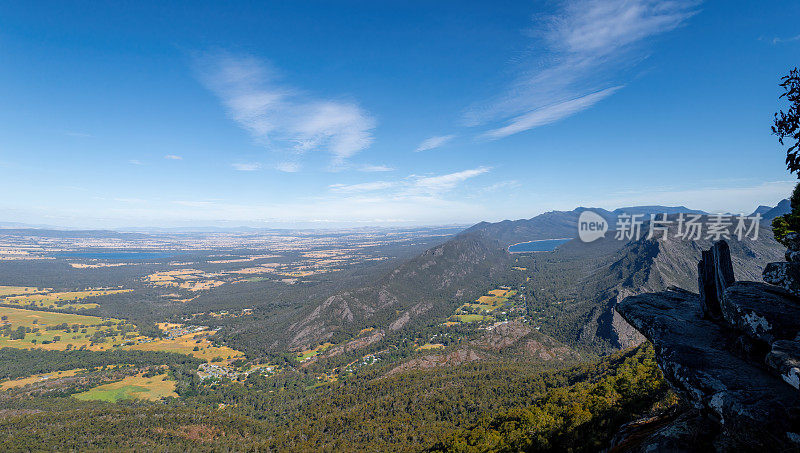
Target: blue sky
(329, 114)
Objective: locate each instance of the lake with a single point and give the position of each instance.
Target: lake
(544, 245)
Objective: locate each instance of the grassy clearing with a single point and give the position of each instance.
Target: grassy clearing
(17, 290)
(87, 332)
(185, 344)
(427, 346)
(38, 378)
(151, 388)
(471, 318)
(308, 353)
(480, 309)
(54, 300)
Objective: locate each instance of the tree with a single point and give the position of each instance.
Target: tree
(787, 127)
(787, 124)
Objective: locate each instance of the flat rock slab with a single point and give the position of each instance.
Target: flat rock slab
(754, 407)
(763, 312)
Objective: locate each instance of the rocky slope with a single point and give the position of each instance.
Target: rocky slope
(731, 351)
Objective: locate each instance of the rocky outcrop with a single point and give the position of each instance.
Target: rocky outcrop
(786, 274)
(731, 351)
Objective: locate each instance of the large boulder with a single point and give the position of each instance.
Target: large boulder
(753, 407)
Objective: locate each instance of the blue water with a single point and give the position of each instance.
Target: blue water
(115, 255)
(546, 245)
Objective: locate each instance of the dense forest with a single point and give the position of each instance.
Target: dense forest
(466, 408)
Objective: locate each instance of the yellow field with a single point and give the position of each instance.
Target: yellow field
(45, 339)
(152, 388)
(493, 300)
(50, 300)
(185, 344)
(89, 325)
(17, 290)
(427, 346)
(38, 378)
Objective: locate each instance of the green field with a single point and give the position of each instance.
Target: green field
(308, 353)
(471, 318)
(138, 387)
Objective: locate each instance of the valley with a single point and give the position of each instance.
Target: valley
(272, 329)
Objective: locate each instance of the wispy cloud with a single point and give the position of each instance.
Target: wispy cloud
(288, 167)
(249, 166)
(413, 185)
(282, 117)
(173, 157)
(511, 184)
(441, 183)
(375, 168)
(434, 142)
(135, 162)
(362, 187)
(778, 40)
(549, 114)
(588, 45)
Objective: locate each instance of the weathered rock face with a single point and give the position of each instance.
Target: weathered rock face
(786, 274)
(731, 351)
(763, 312)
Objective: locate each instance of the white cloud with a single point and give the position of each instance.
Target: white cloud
(442, 183)
(280, 116)
(434, 142)
(375, 168)
(502, 185)
(249, 166)
(588, 45)
(362, 187)
(549, 114)
(135, 162)
(413, 185)
(778, 40)
(288, 167)
(173, 157)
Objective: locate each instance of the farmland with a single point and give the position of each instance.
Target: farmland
(151, 388)
(27, 329)
(75, 300)
(484, 307)
(39, 378)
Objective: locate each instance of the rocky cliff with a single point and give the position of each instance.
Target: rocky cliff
(732, 352)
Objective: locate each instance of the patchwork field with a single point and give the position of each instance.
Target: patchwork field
(151, 388)
(482, 308)
(183, 341)
(25, 329)
(54, 300)
(39, 378)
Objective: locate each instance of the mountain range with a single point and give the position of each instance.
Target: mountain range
(572, 290)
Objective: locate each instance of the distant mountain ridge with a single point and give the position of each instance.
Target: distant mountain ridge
(782, 208)
(430, 286)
